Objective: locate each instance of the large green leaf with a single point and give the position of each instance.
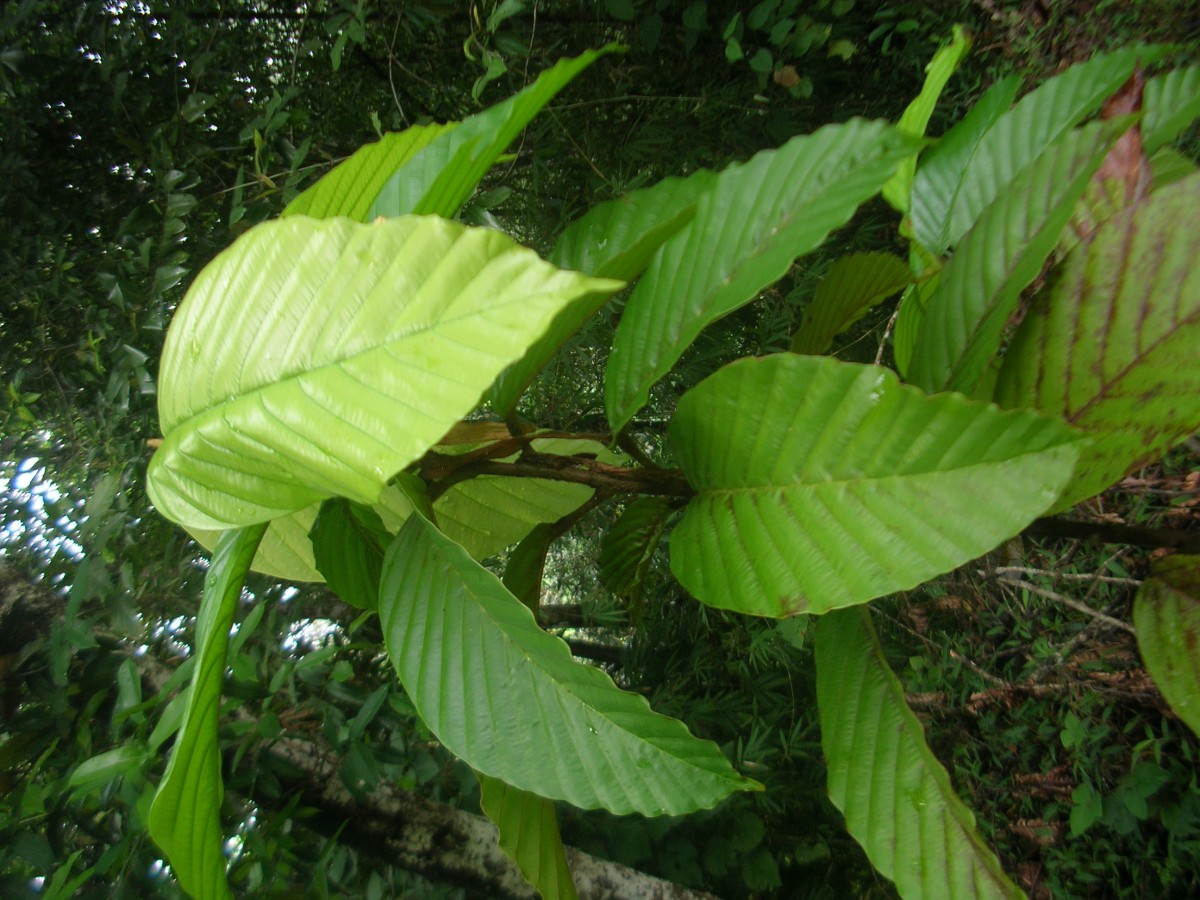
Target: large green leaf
(896, 796)
(509, 699)
(1172, 103)
(980, 288)
(350, 188)
(823, 484)
(852, 286)
(617, 239)
(1166, 614)
(440, 178)
(756, 219)
(1023, 133)
(1111, 348)
(185, 817)
(528, 826)
(915, 119)
(319, 358)
(941, 170)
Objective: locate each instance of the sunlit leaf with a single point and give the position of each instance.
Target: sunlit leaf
(440, 178)
(350, 188)
(757, 218)
(509, 699)
(822, 484)
(895, 794)
(1102, 348)
(185, 818)
(1166, 614)
(915, 118)
(319, 358)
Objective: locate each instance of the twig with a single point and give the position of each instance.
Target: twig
(1073, 603)
(1066, 576)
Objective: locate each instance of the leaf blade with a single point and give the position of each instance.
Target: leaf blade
(185, 814)
(1166, 614)
(895, 794)
(470, 655)
(351, 349)
(529, 836)
(758, 217)
(1102, 349)
(791, 516)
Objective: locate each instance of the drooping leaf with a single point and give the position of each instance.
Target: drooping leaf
(526, 566)
(342, 352)
(440, 178)
(915, 118)
(185, 817)
(1172, 104)
(617, 239)
(1040, 118)
(628, 546)
(509, 699)
(348, 541)
(822, 484)
(941, 170)
(350, 188)
(1166, 614)
(912, 305)
(1102, 348)
(756, 219)
(895, 794)
(852, 286)
(980, 288)
(528, 826)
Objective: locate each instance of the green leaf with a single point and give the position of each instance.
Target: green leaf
(757, 218)
(351, 187)
(980, 288)
(527, 564)
(348, 541)
(319, 358)
(1168, 167)
(1111, 348)
(941, 171)
(441, 177)
(511, 701)
(185, 818)
(852, 286)
(1172, 103)
(628, 546)
(915, 118)
(612, 240)
(491, 512)
(1041, 117)
(896, 796)
(99, 770)
(617, 239)
(822, 484)
(528, 826)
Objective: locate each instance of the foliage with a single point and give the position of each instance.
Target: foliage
(240, 136)
(777, 492)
